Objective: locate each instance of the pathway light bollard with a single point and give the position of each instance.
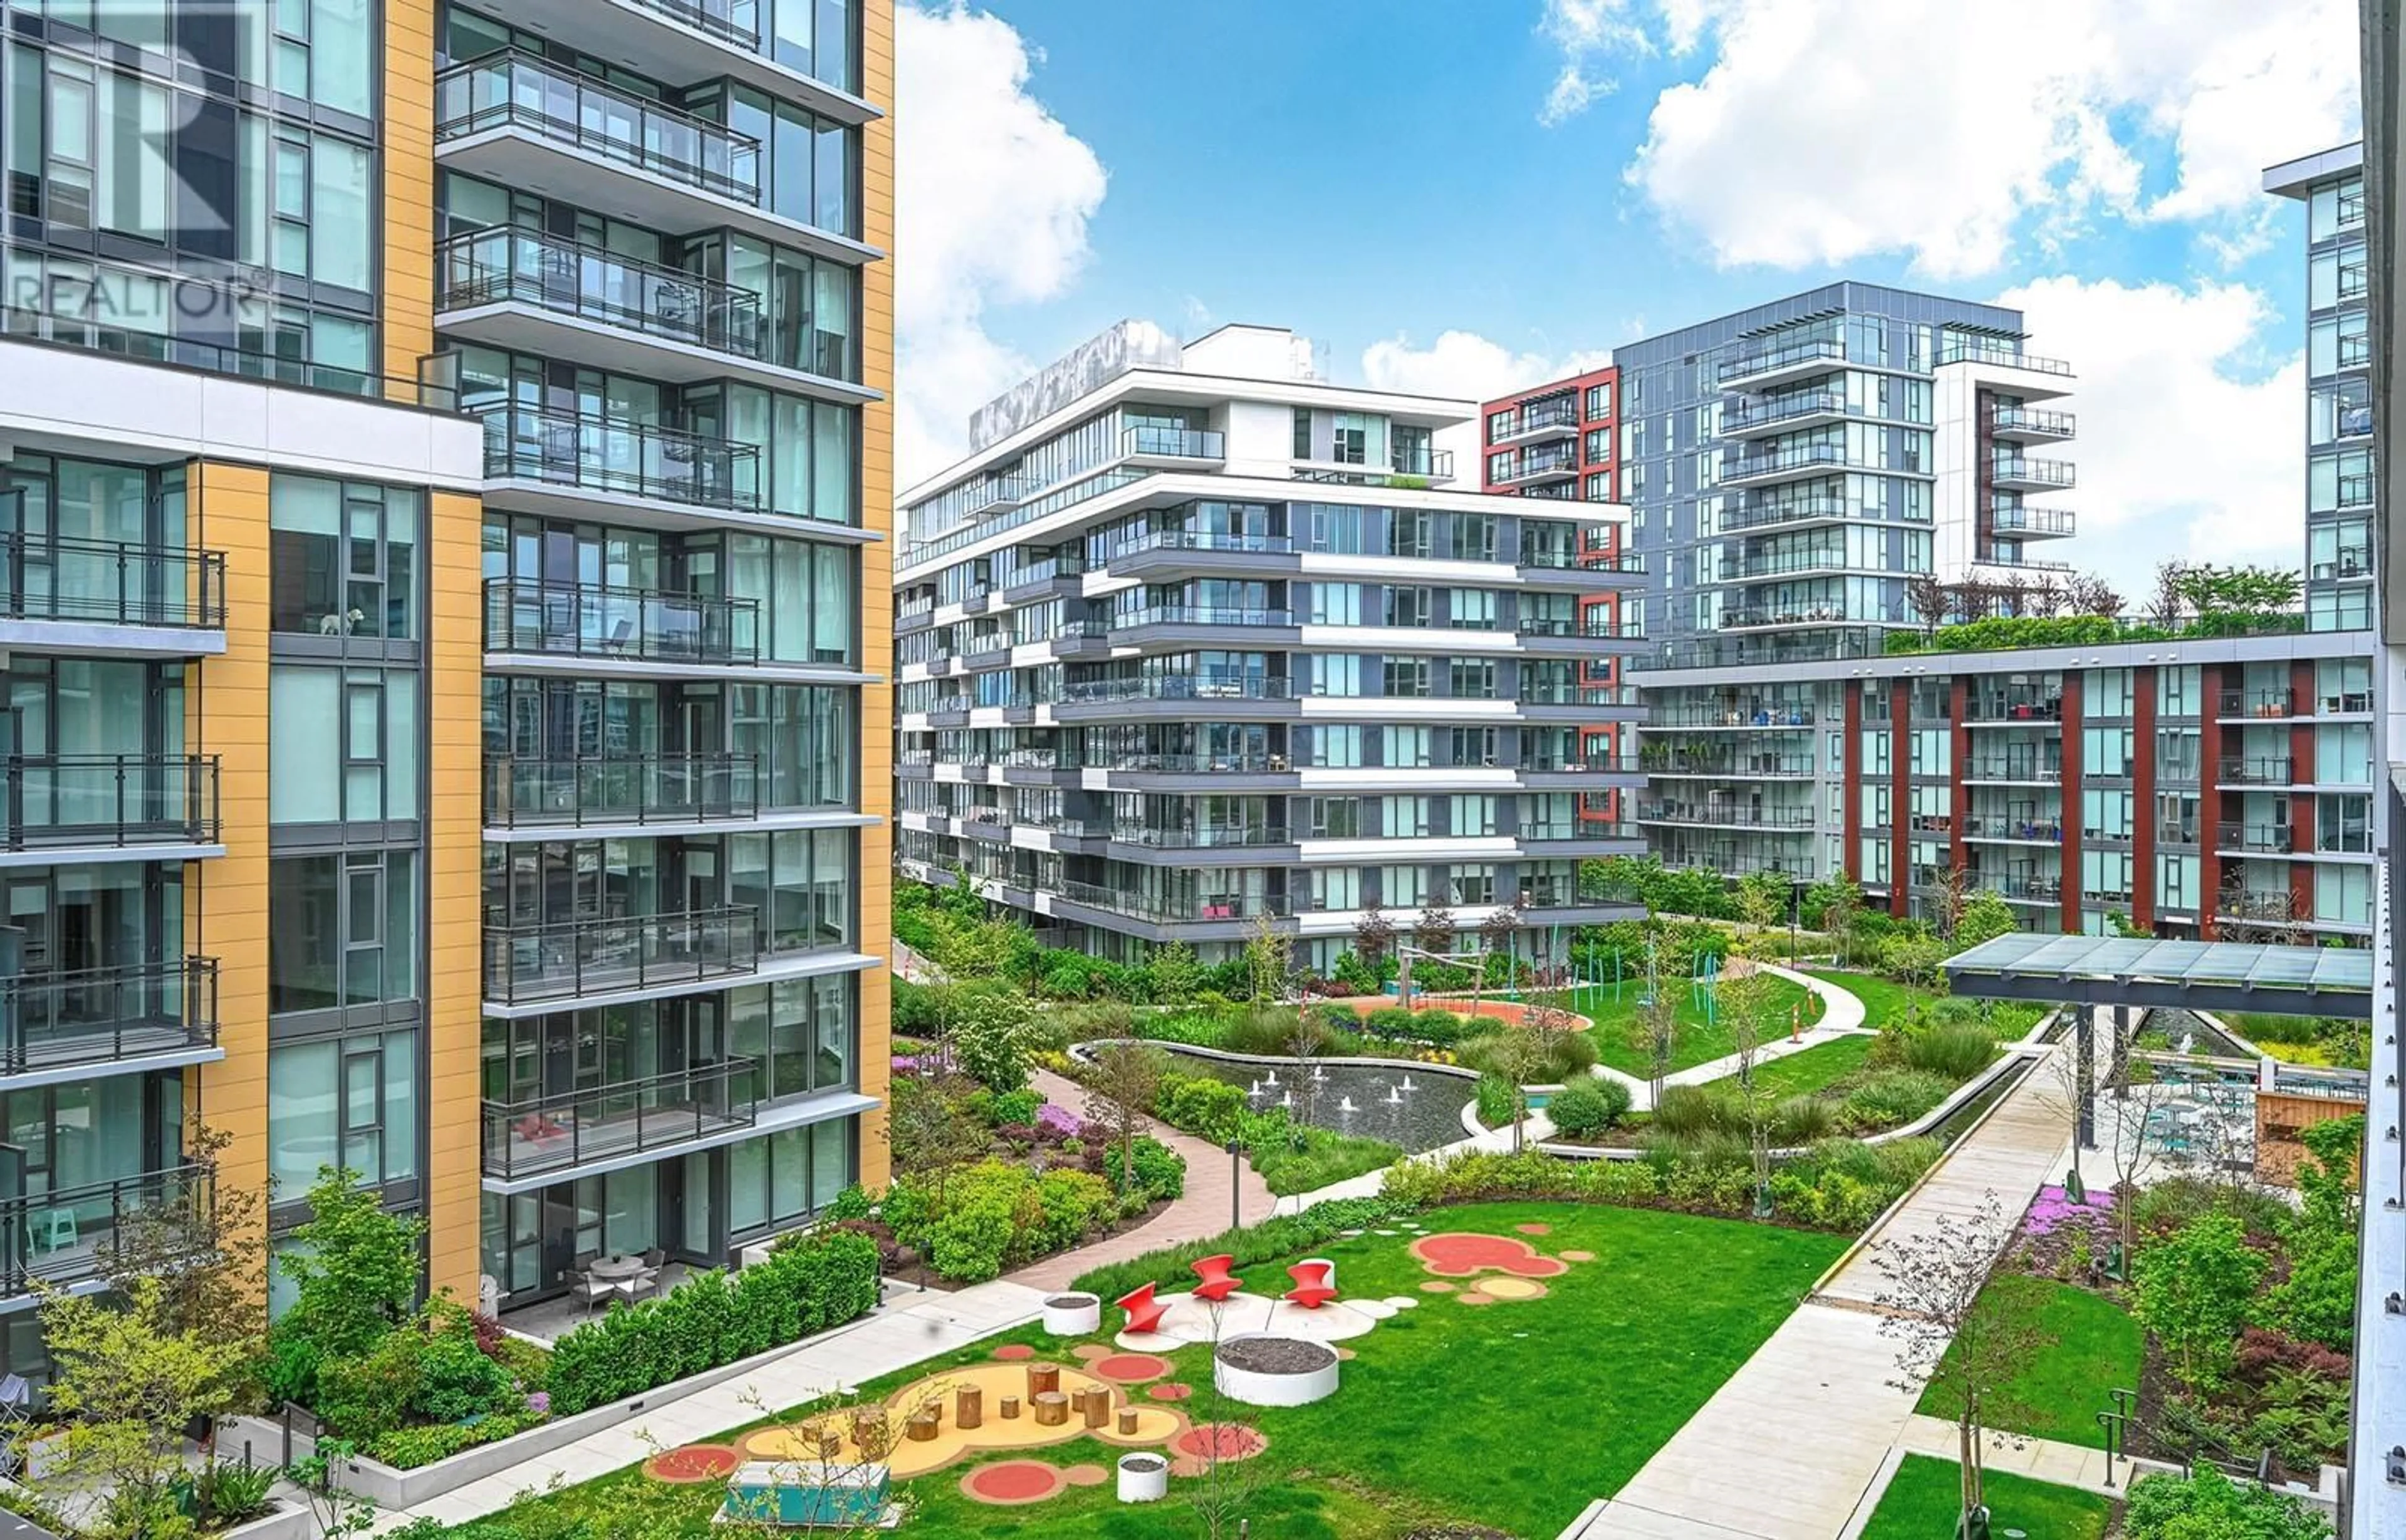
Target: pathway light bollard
(1236, 1184)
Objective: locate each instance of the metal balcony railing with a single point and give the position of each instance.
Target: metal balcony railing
(736, 21)
(68, 1234)
(1724, 814)
(2044, 830)
(2012, 767)
(105, 1015)
(2034, 706)
(2031, 521)
(1221, 838)
(1181, 907)
(1178, 687)
(2032, 421)
(643, 624)
(110, 583)
(608, 455)
(569, 1129)
(575, 958)
(2260, 838)
(510, 89)
(665, 788)
(108, 800)
(2265, 770)
(2268, 703)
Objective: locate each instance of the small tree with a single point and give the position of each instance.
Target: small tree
(1121, 1085)
(1270, 961)
(1171, 974)
(2086, 593)
(354, 1268)
(993, 1033)
(1374, 936)
(1223, 1492)
(1929, 600)
(205, 1243)
(2195, 1289)
(1433, 930)
(931, 1134)
(1521, 1055)
(1656, 1029)
(2166, 604)
(1836, 906)
(1744, 1000)
(1984, 918)
(1760, 896)
(1966, 1346)
(1950, 888)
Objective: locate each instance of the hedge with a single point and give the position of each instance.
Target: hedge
(806, 1285)
(1287, 1235)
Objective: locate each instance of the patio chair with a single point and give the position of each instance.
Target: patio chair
(656, 1258)
(591, 1290)
(1215, 1282)
(1315, 1283)
(635, 1288)
(1144, 1312)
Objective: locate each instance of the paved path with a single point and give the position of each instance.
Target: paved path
(1811, 1417)
(909, 1327)
(1204, 1209)
(1841, 1016)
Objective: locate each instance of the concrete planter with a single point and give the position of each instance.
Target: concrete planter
(289, 1521)
(1143, 1477)
(1073, 1315)
(1283, 1371)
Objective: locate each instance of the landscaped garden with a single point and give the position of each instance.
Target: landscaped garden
(1450, 1406)
(1923, 1499)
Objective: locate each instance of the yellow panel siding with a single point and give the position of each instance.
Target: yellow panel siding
(877, 587)
(408, 201)
(454, 824)
(226, 899)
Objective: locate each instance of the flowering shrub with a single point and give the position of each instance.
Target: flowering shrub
(1058, 1120)
(2053, 1208)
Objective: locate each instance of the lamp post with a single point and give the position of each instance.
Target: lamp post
(1236, 1184)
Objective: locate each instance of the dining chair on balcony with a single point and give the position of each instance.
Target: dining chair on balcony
(591, 1290)
(54, 1230)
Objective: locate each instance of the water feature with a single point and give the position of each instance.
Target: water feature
(1376, 1101)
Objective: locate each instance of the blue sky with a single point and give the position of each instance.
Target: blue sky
(1544, 179)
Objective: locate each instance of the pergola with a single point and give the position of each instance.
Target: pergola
(2093, 973)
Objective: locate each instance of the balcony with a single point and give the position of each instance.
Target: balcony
(572, 958)
(2030, 425)
(2025, 474)
(576, 460)
(542, 1135)
(522, 122)
(1724, 815)
(2013, 770)
(1423, 463)
(1746, 619)
(2031, 523)
(2273, 771)
(1529, 471)
(2015, 708)
(1784, 413)
(109, 583)
(2024, 890)
(1176, 908)
(1726, 765)
(2354, 562)
(113, 802)
(66, 1235)
(1184, 445)
(2355, 492)
(1965, 350)
(1815, 508)
(1554, 419)
(2039, 831)
(2255, 839)
(1660, 718)
(1802, 461)
(620, 624)
(575, 792)
(2264, 703)
(1224, 837)
(108, 1015)
(1769, 366)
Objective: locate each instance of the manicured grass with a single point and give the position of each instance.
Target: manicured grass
(2096, 1348)
(1884, 1000)
(1331, 1158)
(1447, 1411)
(1924, 1501)
(1815, 1069)
(1699, 1041)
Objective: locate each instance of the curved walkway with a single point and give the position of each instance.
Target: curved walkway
(1203, 1209)
(1841, 1016)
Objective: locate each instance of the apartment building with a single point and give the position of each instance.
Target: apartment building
(1194, 636)
(439, 471)
(2340, 507)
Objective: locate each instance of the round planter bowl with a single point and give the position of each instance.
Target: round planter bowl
(1143, 1477)
(1073, 1315)
(1283, 1371)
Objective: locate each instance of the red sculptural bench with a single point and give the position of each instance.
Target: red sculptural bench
(1216, 1283)
(1315, 1283)
(1144, 1312)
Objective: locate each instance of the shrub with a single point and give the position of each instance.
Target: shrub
(2174, 1201)
(850, 1203)
(1270, 1239)
(1390, 1021)
(1336, 1018)
(1801, 1119)
(2193, 1289)
(229, 1494)
(1891, 1098)
(1689, 1111)
(1588, 1106)
(1201, 1105)
(1956, 1049)
(362, 1396)
(808, 1282)
(1160, 1171)
(1014, 1107)
(2209, 1506)
(1275, 1030)
(457, 1380)
(1437, 1026)
(1498, 1096)
(407, 1448)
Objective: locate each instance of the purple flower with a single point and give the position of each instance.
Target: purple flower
(906, 1064)
(540, 1402)
(1060, 1120)
(2053, 1208)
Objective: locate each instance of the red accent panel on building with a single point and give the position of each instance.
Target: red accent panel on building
(2143, 797)
(1900, 813)
(2209, 796)
(2073, 767)
(1850, 816)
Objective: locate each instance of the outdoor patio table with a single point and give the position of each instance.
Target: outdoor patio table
(616, 1268)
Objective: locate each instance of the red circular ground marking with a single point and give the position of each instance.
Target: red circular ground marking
(1011, 1482)
(693, 1464)
(1169, 1392)
(1437, 1286)
(1475, 1297)
(1575, 1256)
(1087, 1351)
(1130, 1368)
(1219, 1440)
(1013, 1351)
(1084, 1476)
(1458, 1254)
(1535, 1229)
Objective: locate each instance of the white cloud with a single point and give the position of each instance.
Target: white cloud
(1583, 28)
(1827, 129)
(1465, 366)
(2178, 455)
(993, 211)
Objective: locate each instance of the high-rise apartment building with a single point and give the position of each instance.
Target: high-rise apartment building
(440, 472)
(1194, 638)
(2339, 506)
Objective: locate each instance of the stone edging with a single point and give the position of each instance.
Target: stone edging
(1082, 1053)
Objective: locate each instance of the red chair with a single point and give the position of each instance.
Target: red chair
(1217, 1283)
(1315, 1283)
(1144, 1312)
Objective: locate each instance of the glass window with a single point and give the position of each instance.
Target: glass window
(341, 929)
(340, 226)
(341, 53)
(351, 1103)
(342, 743)
(343, 558)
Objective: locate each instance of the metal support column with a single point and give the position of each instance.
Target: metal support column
(2084, 1045)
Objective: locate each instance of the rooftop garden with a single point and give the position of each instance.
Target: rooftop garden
(2191, 599)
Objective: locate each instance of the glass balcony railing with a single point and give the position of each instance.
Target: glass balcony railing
(1176, 907)
(2274, 702)
(528, 267)
(2258, 839)
(68, 1234)
(592, 620)
(607, 455)
(110, 583)
(2269, 770)
(509, 90)
(574, 1128)
(1174, 442)
(1788, 356)
(736, 21)
(108, 800)
(666, 788)
(105, 1015)
(575, 958)
(1178, 687)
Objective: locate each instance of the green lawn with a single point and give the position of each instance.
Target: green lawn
(1699, 1041)
(1447, 1412)
(1815, 1069)
(1884, 1000)
(1924, 1501)
(2096, 1348)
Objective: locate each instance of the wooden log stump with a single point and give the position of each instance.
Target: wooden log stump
(1042, 1378)
(1051, 1409)
(1127, 1421)
(870, 1434)
(1097, 1407)
(923, 1425)
(825, 1438)
(968, 1407)
(1009, 1407)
